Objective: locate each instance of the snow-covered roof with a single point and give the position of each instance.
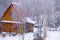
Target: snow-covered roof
(36, 25)
(19, 10)
(28, 20)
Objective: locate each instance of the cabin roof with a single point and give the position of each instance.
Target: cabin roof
(28, 20)
(3, 6)
(19, 9)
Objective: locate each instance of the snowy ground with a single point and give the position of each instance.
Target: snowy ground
(53, 35)
(27, 36)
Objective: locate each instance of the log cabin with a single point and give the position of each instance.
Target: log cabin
(10, 21)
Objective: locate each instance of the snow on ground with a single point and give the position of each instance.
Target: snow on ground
(27, 36)
(10, 37)
(53, 35)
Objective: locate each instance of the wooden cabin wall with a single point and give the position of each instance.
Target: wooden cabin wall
(29, 27)
(7, 27)
(20, 28)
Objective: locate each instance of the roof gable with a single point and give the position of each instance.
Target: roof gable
(3, 6)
